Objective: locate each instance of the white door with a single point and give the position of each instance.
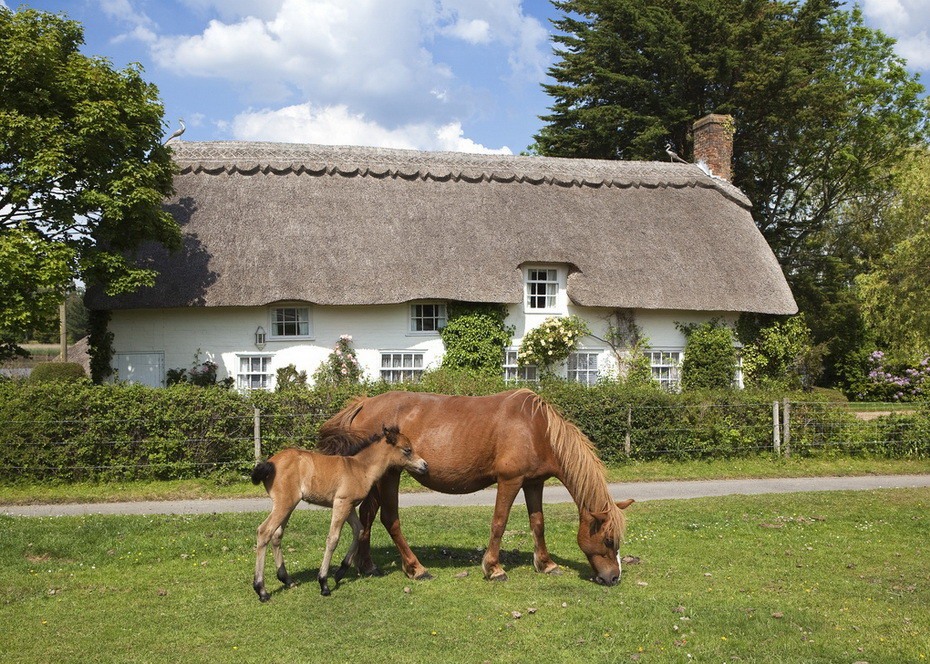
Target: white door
(141, 368)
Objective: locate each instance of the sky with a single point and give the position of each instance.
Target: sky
(461, 75)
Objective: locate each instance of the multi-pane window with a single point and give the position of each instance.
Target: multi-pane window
(427, 317)
(542, 287)
(582, 367)
(254, 372)
(512, 370)
(401, 366)
(666, 368)
(291, 322)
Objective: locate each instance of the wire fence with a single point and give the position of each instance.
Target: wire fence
(201, 443)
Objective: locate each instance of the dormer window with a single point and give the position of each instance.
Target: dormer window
(290, 322)
(542, 289)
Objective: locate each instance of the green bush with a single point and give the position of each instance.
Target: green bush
(80, 431)
(475, 341)
(57, 372)
(710, 357)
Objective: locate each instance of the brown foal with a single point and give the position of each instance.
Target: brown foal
(339, 482)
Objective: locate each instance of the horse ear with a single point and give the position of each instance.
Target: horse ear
(390, 434)
(623, 504)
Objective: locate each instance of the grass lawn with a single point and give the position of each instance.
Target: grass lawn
(819, 577)
(239, 486)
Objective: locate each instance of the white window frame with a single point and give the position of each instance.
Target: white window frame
(665, 364)
(439, 320)
(298, 309)
(243, 383)
(552, 281)
(397, 373)
(585, 375)
(514, 372)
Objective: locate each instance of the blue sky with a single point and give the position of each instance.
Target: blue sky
(427, 74)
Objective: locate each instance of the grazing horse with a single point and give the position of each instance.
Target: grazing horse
(340, 482)
(514, 439)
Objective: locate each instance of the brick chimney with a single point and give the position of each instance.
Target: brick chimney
(713, 144)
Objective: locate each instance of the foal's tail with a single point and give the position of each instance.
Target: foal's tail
(264, 470)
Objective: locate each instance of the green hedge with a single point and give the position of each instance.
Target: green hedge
(81, 431)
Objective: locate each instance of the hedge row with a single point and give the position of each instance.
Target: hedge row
(79, 431)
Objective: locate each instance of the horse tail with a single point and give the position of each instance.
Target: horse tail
(264, 470)
(583, 471)
(342, 421)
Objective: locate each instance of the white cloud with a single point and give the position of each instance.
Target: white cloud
(908, 21)
(374, 56)
(123, 10)
(336, 125)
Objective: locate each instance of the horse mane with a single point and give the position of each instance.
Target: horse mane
(349, 442)
(341, 421)
(583, 471)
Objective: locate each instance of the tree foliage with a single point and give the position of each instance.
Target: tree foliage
(894, 288)
(83, 172)
(475, 339)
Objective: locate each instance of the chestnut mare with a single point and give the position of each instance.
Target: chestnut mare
(514, 439)
(340, 482)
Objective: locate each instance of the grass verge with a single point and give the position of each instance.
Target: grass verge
(782, 578)
(240, 487)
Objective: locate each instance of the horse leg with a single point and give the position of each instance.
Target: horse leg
(368, 510)
(533, 492)
(390, 518)
(278, 554)
(507, 491)
(341, 510)
(280, 512)
(353, 548)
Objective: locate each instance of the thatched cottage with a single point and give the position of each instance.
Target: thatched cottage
(288, 247)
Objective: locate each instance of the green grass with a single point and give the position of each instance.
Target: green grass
(229, 486)
(821, 577)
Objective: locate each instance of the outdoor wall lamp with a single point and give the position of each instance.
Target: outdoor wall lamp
(260, 337)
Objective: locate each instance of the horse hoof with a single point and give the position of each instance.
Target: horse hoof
(424, 576)
(555, 571)
(499, 577)
(326, 592)
(374, 570)
(264, 598)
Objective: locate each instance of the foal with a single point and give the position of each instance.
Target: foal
(340, 482)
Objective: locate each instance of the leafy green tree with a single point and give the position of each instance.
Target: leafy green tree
(894, 289)
(83, 172)
(710, 357)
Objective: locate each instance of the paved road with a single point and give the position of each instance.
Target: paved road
(554, 494)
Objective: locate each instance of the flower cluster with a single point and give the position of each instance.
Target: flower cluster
(341, 366)
(552, 341)
(899, 383)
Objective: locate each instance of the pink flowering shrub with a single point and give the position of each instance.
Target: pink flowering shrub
(341, 367)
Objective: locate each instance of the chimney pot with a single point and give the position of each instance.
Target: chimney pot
(713, 143)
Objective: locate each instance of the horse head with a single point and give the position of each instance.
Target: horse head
(401, 443)
(599, 536)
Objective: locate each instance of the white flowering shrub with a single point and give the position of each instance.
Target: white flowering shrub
(552, 341)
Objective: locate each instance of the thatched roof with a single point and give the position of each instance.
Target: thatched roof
(269, 222)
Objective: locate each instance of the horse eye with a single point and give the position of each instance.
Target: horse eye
(609, 543)
(407, 451)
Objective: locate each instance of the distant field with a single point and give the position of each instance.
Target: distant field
(819, 577)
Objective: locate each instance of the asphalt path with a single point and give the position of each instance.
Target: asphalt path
(640, 491)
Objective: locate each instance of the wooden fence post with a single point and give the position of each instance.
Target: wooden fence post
(257, 433)
(786, 426)
(776, 430)
(627, 443)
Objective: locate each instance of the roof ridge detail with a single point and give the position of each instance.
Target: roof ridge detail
(250, 158)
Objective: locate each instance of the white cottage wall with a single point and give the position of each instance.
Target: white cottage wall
(223, 334)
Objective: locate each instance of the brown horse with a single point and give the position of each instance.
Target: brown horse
(340, 482)
(514, 439)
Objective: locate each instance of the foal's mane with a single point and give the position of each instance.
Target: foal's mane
(349, 442)
(583, 471)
